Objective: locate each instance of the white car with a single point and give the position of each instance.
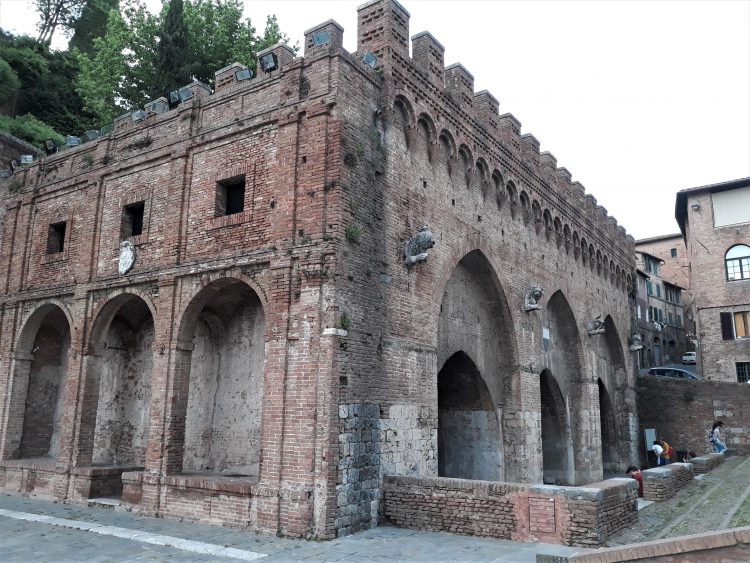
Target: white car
(688, 358)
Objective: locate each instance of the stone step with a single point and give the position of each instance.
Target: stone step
(108, 503)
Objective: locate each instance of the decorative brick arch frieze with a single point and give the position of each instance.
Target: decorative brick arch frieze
(33, 316)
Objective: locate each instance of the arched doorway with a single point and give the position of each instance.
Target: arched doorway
(122, 340)
(35, 411)
(562, 364)
(469, 444)
(225, 391)
(610, 449)
(476, 350)
(557, 446)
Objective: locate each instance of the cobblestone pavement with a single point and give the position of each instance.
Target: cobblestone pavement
(718, 500)
(110, 535)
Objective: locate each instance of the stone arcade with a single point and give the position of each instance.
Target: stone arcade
(267, 348)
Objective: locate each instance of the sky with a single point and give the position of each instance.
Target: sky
(637, 99)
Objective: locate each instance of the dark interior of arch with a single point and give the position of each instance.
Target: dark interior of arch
(610, 456)
(469, 443)
(556, 446)
(223, 418)
(42, 417)
(122, 415)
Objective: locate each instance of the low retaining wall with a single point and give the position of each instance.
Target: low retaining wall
(662, 483)
(578, 516)
(706, 463)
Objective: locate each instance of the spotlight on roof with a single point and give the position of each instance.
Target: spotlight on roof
(321, 38)
(269, 62)
(50, 146)
(13, 165)
(185, 94)
(370, 59)
(244, 74)
(157, 106)
(138, 115)
(91, 135)
(27, 158)
(173, 98)
(72, 141)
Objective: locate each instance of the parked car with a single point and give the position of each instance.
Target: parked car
(674, 372)
(688, 358)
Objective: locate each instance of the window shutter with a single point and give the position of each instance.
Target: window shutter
(727, 331)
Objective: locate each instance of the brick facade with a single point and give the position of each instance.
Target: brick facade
(702, 215)
(292, 325)
(662, 483)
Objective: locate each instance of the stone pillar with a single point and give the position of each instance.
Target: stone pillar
(18, 383)
(522, 429)
(587, 435)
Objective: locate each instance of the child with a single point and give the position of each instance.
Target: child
(636, 474)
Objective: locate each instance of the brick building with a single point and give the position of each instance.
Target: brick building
(210, 311)
(715, 223)
(660, 314)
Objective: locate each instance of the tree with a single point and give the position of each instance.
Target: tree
(46, 84)
(9, 82)
(172, 53)
(120, 74)
(91, 24)
(30, 129)
(54, 13)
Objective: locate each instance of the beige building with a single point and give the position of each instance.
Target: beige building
(715, 223)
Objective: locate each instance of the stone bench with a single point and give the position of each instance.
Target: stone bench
(662, 483)
(706, 463)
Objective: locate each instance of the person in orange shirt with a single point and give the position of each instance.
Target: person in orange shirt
(669, 455)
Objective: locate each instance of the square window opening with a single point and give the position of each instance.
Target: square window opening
(132, 220)
(56, 238)
(230, 196)
(673, 252)
(743, 372)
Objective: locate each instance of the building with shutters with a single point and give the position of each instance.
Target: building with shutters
(715, 223)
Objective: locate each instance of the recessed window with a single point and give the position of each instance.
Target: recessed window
(132, 220)
(735, 325)
(738, 262)
(743, 372)
(230, 196)
(56, 238)
(673, 252)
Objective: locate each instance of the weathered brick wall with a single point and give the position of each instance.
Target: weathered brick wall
(662, 483)
(684, 411)
(706, 248)
(583, 516)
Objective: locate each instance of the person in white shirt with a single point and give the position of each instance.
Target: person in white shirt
(658, 450)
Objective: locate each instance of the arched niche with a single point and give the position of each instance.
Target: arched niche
(220, 381)
(118, 374)
(557, 444)
(40, 371)
(475, 346)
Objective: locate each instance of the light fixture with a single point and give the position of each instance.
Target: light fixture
(185, 94)
(157, 106)
(50, 146)
(321, 38)
(91, 135)
(13, 165)
(27, 158)
(173, 98)
(244, 74)
(269, 62)
(370, 59)
(695, 206)
(138, 115)
(72, 141)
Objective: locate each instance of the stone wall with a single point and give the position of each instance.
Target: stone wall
(705, 463)
(682, 412)
(583, 516)
(662, 483)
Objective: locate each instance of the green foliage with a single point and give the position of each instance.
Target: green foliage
(121, 74)
(9, 82)
(353, 232)
(30, 129)
(172, 51)
(54, 14)
(91, 24)
(47, 84)
(345, 322)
